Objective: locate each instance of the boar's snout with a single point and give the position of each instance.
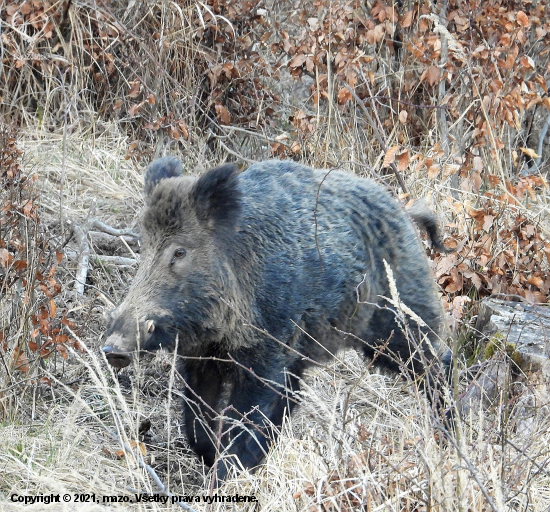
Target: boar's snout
(123, 341)
(116, 357)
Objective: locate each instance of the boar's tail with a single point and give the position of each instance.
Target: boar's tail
(425, 219)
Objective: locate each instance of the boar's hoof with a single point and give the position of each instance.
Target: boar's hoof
(115, 357)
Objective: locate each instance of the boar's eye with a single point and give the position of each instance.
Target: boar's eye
(179, 253)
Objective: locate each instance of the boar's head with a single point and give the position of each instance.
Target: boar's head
(186, 266)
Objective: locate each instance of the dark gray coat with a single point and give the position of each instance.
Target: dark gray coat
(253, 271)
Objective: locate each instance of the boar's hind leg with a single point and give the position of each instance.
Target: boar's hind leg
(391, 349)
(249, 409)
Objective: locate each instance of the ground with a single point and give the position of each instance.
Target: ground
(360, 441)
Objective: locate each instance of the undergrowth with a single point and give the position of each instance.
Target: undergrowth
(443, 101)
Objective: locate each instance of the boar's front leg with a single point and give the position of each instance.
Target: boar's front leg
(203, 389)
(235, 410)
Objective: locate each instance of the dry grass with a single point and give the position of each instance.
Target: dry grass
(359, 437)
(80, 171)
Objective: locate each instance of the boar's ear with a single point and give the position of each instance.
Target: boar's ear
(160, 169)
(217, 196)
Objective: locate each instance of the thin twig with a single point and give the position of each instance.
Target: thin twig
(249, 132)
(470, 468)
(81, 235)
(101, 226)
(111, 260)
(234, 153)
(443, 129)
(377, 134)
(163, 490)
(408, 103)
(64, 157)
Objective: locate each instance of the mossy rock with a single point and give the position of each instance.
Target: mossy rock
(498, 344)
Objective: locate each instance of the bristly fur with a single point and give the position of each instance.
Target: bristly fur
(272, 268)
(160, 169)
(217, 196)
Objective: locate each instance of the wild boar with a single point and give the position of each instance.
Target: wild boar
(255, 275)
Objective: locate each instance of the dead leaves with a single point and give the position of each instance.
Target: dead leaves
(135, 446)
(223, 114)
(530, 153)
(344, 95)
(27, 270)
(499, 253)
(522, 19)
(389, 157)
(297, 61)
(432, 75)
(403, 161)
